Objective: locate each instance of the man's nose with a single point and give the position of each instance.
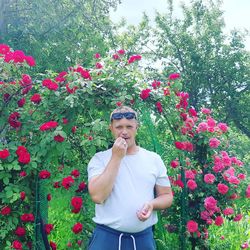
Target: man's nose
(124, 131)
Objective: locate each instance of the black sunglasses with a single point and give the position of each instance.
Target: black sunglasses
(119, 116)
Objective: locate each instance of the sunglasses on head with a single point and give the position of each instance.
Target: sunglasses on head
(119, 116)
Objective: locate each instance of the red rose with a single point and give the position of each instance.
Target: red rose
(159, 107)
(77, 228)
(134, 58)
(22, 195)
(58, 138)
(76, 203)
(49, 197)
(48, 125)
(17, 245)
(48, 228)
(52, 245)
(4, 154)
(24, 158)
(36, 98)
(44, 174)
(4, 49)
(174, 76)
(21, 102)
(174, 164)
(238, 217)
(67, 182)
(18, 56)
(218, 221)
(30, 61)
(75, 173)
(121, 52)
(20, 231)
(192, 226)
(23, 174)
(73, 129)
(27, 217)
(81, 187)
(5, 210)
(145, 94)
(97, 56)
(13, 120)
(48, 83)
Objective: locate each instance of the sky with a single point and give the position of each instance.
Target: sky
(236, 12)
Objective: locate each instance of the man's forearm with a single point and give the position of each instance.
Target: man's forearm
(101, 186)
(162, 201)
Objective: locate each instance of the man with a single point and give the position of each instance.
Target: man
(128, 184)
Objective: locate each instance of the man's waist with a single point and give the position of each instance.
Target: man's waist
(128, 234)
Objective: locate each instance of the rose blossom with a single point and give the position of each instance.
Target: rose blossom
(48, 125)
(238, 217)
(192, 226)
(222, 188)
(22, 195)
(20, 231)
(48, 228)
(209, 178)
(228, 211)
(75, 173)
(17, 245)
(59, 138)
(5, 210)
(76, 203)
(218, 221)
(44, 174)
(174, 163)
(214, 143)
(67, 182)
(77, 228)
(223, 127)
(191, 184)
(36, 98)
(53, 245)
(4, 154)
(145, 93)
(210, 203)
(174, 76)
(27, 217)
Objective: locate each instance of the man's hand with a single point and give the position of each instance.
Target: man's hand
(145, 212)
(119, 148)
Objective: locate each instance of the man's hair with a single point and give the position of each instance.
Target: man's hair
(122, 109)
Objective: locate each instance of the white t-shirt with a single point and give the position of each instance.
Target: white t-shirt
(134, 185)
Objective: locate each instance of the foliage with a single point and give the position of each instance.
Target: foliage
(52, 124)
(215, 65)
(57, 33)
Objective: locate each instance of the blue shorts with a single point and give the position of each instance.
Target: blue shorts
(106, 238)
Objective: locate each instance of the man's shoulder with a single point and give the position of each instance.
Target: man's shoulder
(149, 152)
(103, 154)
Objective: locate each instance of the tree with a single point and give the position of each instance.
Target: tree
(57, 33)
(215, 67)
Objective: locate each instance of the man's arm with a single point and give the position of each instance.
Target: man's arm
(163, 200)
(101, 186)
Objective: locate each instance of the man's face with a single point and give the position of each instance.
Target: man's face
(124, 128)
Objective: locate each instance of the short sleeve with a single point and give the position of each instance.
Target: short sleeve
(95, 167)
(162, 178)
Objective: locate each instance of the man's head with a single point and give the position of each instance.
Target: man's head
(123, 123)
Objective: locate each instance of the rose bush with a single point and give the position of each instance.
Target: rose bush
(51, 125)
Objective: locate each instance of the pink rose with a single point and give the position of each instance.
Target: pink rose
(192, 226)
(222, 188)
(209, 178)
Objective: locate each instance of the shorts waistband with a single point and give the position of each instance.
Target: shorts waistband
(117, 232)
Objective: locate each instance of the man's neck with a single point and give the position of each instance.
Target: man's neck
(132, 150)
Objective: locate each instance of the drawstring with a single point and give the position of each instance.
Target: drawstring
(120, 241)
(133, 238)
